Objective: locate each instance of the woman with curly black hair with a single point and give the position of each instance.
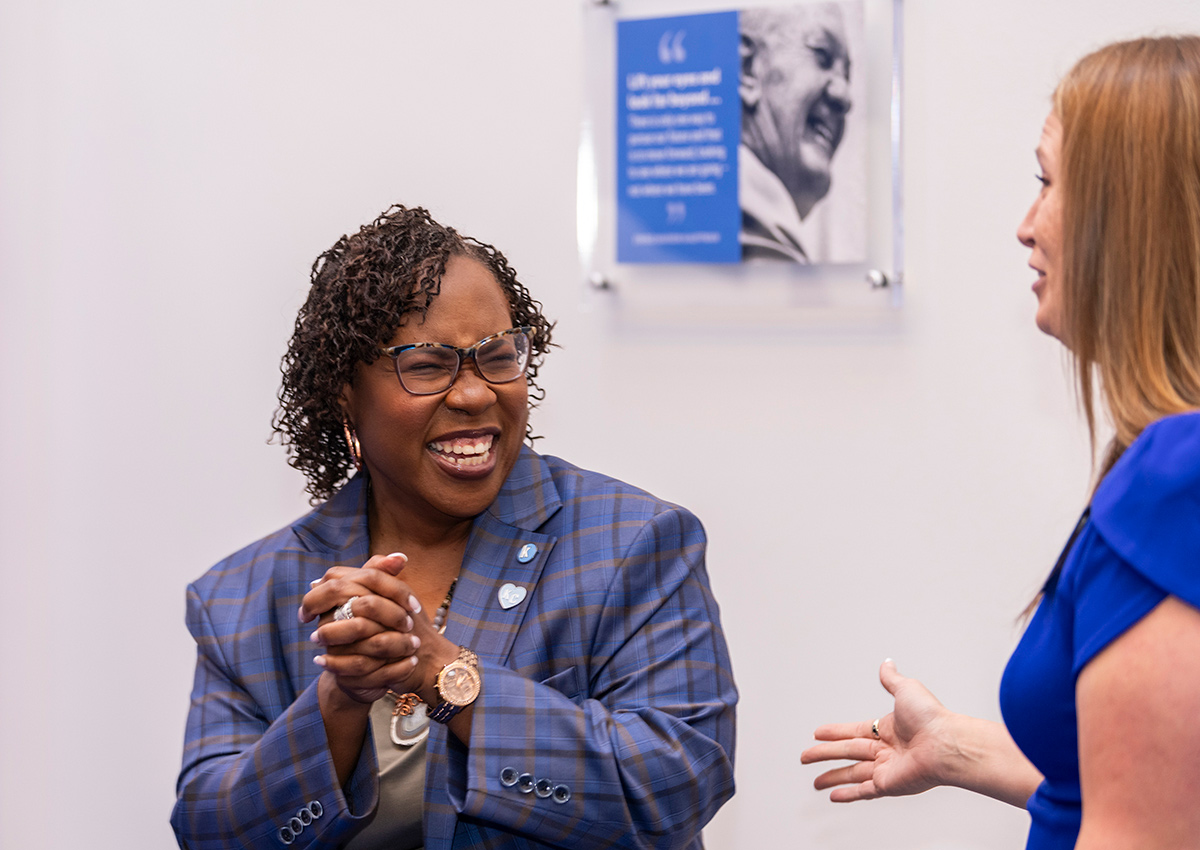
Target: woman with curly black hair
(555, 625)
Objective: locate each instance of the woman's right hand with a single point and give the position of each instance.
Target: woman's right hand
(910, 755)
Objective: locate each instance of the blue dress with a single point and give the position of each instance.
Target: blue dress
(1140, 544)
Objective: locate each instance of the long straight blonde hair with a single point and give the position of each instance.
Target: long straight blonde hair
(1130, 163)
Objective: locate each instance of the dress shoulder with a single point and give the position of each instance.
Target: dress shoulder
(1147, 509)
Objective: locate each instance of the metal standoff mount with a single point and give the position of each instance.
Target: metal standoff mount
(878, 279)
(597, 280)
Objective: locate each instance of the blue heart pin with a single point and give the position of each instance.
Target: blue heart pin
(511, 595)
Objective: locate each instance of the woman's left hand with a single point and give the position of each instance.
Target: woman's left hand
(901, 753)
(920, 745)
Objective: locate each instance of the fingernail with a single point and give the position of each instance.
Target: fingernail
(315, 582)
(414, 604)
(413, 659)
(416, 643)
(319, 660)
(396, 555)
(300, 615)
(408, 624)
(314, 638)
(888, 661)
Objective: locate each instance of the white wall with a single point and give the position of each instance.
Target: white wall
(168, 172)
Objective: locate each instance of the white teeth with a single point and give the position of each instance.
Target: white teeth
(475, 460)
(465, 453)
(823, 126)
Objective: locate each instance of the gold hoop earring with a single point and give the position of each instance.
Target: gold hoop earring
(352, 444)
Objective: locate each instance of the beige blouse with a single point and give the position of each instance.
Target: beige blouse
(397, 822)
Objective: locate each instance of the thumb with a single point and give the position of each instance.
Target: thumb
(889, 677)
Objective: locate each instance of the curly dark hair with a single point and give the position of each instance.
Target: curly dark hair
(362, 288)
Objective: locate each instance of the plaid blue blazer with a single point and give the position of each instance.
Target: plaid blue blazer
(606, 717)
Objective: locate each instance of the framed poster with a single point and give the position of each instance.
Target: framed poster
(677, 126)
(754, 147)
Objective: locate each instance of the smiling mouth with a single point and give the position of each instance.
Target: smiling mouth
(824, 127)
(464, 452)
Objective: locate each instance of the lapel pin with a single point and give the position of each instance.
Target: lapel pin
(510, 595)
(528, 553)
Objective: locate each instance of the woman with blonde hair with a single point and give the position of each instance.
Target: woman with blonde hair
(1101, 699)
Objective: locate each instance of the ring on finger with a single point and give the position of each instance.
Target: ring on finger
(345, 611)
(874, 724)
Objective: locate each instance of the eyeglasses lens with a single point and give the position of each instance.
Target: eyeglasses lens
(432, 369)
(504, 358)
(427, 370)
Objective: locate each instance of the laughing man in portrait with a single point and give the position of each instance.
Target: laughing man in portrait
(795, 92)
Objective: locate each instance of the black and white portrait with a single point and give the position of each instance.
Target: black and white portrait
(802, 161)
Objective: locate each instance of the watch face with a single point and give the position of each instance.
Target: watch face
(459, 683)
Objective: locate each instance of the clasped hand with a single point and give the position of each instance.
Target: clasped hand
(378, 648)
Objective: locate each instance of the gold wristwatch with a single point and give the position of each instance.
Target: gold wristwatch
(457, 685)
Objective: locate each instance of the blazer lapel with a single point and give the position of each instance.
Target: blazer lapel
(495, 587)
(504, 559)
(336, 531)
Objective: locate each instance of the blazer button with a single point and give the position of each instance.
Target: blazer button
(286, 835)
(316, 809)
(543, 787)
(561, 793)
(305, 816)
(296, 825)
(508, 777)
(525, 783)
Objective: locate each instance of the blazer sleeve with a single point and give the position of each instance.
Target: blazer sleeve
(644, 757)
(250, 780)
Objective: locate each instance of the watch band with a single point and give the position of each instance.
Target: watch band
(444, 712)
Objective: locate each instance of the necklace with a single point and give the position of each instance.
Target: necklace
(410, 721)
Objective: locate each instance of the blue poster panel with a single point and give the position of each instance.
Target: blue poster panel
(678, 125)
(742, 135)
